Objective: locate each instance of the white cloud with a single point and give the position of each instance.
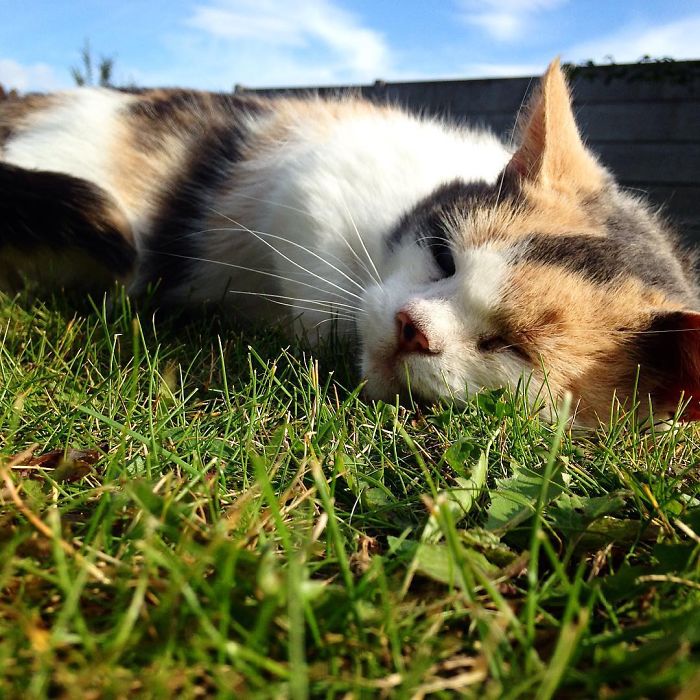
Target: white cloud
(39, 77)
(504, 20)
(289, 41)
(677, 39)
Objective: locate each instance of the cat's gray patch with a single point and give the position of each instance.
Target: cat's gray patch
(428, 219)
(632, 247)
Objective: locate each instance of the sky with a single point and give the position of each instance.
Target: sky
(215, 44)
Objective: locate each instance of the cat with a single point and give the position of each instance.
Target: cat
(452, 261)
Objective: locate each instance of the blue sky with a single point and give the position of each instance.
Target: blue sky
(217, 43)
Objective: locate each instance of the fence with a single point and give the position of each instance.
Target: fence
(643, 120)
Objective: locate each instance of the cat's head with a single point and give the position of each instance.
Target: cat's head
(551, 270)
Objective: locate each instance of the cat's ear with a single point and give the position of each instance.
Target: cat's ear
(551, 152)
(670, 357)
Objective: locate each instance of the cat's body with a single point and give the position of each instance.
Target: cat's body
(456, 263)
(191, 171)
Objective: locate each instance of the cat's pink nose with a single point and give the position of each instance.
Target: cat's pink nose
(410, 337)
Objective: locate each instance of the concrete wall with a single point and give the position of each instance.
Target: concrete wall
(642, 119)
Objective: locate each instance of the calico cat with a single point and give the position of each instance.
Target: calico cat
(453, 261)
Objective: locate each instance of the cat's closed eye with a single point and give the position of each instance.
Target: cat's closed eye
(490, 344)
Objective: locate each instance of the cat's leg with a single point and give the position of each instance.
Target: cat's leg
(60, 231)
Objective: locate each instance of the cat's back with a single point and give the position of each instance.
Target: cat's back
(125, 140)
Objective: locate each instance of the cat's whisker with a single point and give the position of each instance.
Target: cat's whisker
(224, 229)
(440, 239)
(317, 218)
(246, 269)
(340, 317)
(330, 304)
(296, 264)
(316, 255)
(313, 217)
(378, 278)
(259, 235)
(360, 262)
(277, 204)
(325, 320)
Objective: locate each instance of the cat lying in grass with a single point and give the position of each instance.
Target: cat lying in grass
(452, 260)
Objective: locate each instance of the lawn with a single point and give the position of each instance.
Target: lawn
(188, 510)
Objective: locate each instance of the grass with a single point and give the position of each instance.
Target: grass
(227, 519)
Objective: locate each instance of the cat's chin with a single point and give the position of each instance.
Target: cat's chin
(412, 378)
(390, 393)
(381, 383)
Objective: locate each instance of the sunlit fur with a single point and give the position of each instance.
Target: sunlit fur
(321, 214)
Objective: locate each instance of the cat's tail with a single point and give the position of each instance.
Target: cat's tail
(60, 230)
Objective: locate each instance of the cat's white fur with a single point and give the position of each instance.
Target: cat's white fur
(74, 137)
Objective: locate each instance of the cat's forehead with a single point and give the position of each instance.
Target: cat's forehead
(528, 219)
